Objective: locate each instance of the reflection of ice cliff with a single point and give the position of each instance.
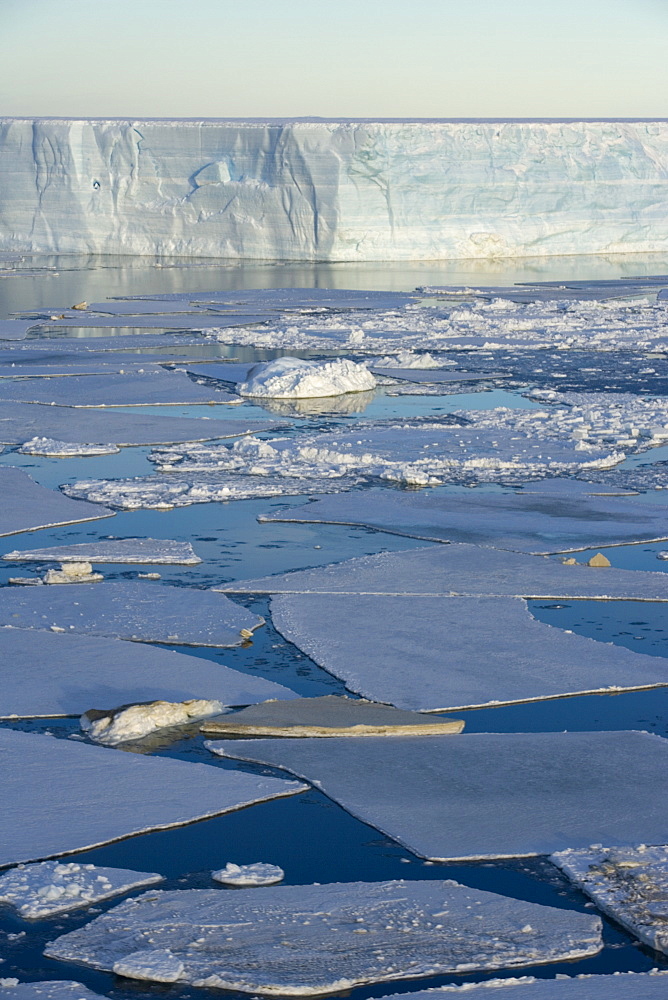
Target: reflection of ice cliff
(334, 190)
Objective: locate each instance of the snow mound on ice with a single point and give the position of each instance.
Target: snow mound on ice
(294, 378)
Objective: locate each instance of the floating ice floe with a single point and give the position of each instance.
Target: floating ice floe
(82, 796)
(223, 371)
(42, 890)
(27, 506)
(463, 652)
(15, 329)
(630, 884)
(45, 673)
(134, 722)
(432, 376)
(331, 715)
(574, 488)
(57, 989)
(158, 551)
(618, 986)
(72, 572)
(183, 321)
(281, 941)
(132, 610)
(249, 875)
(133, 388)
(64, 449)
(541, 525)
(486, 795)
(460, 570)
(295, 378)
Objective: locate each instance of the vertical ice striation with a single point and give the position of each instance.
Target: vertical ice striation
(340, 190)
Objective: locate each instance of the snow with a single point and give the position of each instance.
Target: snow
(525, 523)
(48, 673)
(464, 652)
(57, 989)
(132, 388)
(134, 722)
(42, 890)
(486, 795)
(64, 449)
(464, 570)
(27, 506)
(306, 940)
(158, 551)
(82, 796)
(330, 715)
(131, 609)
(249, 875)
(618, 986)
(630, 884)
(294, 378)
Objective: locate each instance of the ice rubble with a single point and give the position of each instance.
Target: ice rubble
(64, 449)
(134, 722)
(630, 884)
(132, 610)
(27, 506)
(57, 989)
(133, 388)
(486, 795)
(158, 551)
(303, 940)
(72, 786)
(330, 715)
(46, 673)
(249, 875)
(69, 572)
(294, 378)
(51, 887)
(618, 986)
(539, 524)
(458, 569)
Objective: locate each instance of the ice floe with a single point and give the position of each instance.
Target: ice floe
(131, 610)
(434, 376)
(294, 378)
(249, 875)
(27, 506)
(330, 715)
(64, 449)
(314, 939)
(134, 722)
(46, 673)
(57, 989)
(133, 388)
(15, 329)
(486, 795)
(71, 572)
(630, 884)
(618, 986)
(158, 551)
(51, 887)
(82, 796)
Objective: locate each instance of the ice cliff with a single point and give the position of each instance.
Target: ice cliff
(318, 190)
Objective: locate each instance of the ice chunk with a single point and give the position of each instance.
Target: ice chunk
(486, 795)
(294, 378)
(303, 940)
(51, 887)
(44, 673)
(73, 572)
(249, 875)
(57, 989)
(133, 722)
(618, 986)
(160, 551)
(331, 715)
(133, 388)
(27, 506)
(64, 449)
(132, 610)
(630, 884)
(82, 796)
(537, 524)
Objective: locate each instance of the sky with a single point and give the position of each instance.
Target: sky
(334, 58)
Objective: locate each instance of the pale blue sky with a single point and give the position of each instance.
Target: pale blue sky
(334, 58)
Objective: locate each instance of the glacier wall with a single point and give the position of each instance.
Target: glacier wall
(317, 190)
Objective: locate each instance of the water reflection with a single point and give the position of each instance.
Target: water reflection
(327, 406)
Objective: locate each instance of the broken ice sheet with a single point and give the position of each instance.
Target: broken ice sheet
(538, 524)
(131, 609)
(432, 375)
(459, 569)
(47, 447)
(463, 652)
(316, 939)
(618, 986)
(486, 795)
(27, 506)
(83, 796)
(630, 884)
(45, 674)
(41, 890)
(57, 989)
(133, 388)
(158, 551)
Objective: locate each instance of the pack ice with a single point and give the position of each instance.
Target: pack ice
(27, 506)
(619, 986)
(306, 940)
(57, 989)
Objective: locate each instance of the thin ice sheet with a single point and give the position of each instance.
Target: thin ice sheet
(157, 551)
(27, 506)
(133, 388)
(619, 986)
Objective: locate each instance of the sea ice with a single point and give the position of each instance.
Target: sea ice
(47, 673)
(159, 551)
(15, 329)
(134, 722)
(630, 884)
(486, 795)
(133, 388)
(249, 875)
(541, 525)
(330, 715)
(302, 940)
(57, 989)
(295, 378)
(434, 376)
(64, 449)
(72, 572)
(618, 986)
(27, 506)
(132, 609)
(82, 796)
(51, 887)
